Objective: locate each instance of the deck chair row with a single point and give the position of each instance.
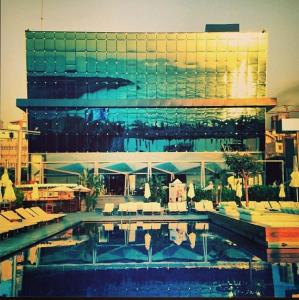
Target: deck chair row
(203, 205)
(22, 218)
(133, 208)
(281, 206)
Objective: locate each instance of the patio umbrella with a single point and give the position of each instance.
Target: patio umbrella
(1, 199)
(147, 191)
(282, 193)
(35, 193)
(61, 189)
(295, 176)
(239, 190)
(81, 189)
(191, 193)
(5, 178)
(9, 193)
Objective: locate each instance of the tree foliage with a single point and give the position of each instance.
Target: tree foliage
(244, 166)
(158, 190)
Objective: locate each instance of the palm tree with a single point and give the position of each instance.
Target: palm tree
(96, 185)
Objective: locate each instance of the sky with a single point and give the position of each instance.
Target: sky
(280, 18)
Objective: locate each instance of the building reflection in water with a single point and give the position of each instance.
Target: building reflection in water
(143, 242)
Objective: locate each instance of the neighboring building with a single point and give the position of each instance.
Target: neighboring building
(9, 144)
(142, 103)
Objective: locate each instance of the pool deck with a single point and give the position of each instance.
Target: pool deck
(279, 240)
(29, 237)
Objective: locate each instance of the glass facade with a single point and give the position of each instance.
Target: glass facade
(146, 65)
(145, 68)
(161, 129)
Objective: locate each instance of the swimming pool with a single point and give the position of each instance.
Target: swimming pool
(146, 259)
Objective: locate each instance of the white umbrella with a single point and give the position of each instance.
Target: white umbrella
(61, 189)
(9, 193)
(5, 178)
(81, 189)
(282, 193)
(295, 176)
(147, 191)
(191, 193)
(1, 199)
(35, 193)
(239, 190)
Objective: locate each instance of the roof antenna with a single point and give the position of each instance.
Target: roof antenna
(41, 16)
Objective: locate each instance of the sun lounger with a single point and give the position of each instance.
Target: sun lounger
(27, 216)
(132, 207)
(230, 203)
(263, 216)
(122, 208)
(199, 207)
(182, 207)
(229, 210)
(266, 205)
(275, 205)
(14, 217)
(45, 217)
(208, 205)
(7, 226)
(140, 206)
(108, 208)
(147, 208)
(39, 211)
(172, 207)
(156, 207)
(289, 207)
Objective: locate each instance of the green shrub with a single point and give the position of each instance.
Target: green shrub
(19, 197)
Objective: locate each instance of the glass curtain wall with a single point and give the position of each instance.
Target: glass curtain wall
(146, 65)
(147, 129)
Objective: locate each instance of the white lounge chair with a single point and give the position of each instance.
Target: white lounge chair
(14, 217)
(122, 208)
(182, 207)
(140, 206)
(275, 205)
(147, 208)
(108, 208)
(46, 218)
(39, 211)
(172, 207)
(208, 205)
(29, 217)
(199, 207)
(132, 208)
(229, 210)
(156, 207)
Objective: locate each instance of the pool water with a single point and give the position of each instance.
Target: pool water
(146, 260)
